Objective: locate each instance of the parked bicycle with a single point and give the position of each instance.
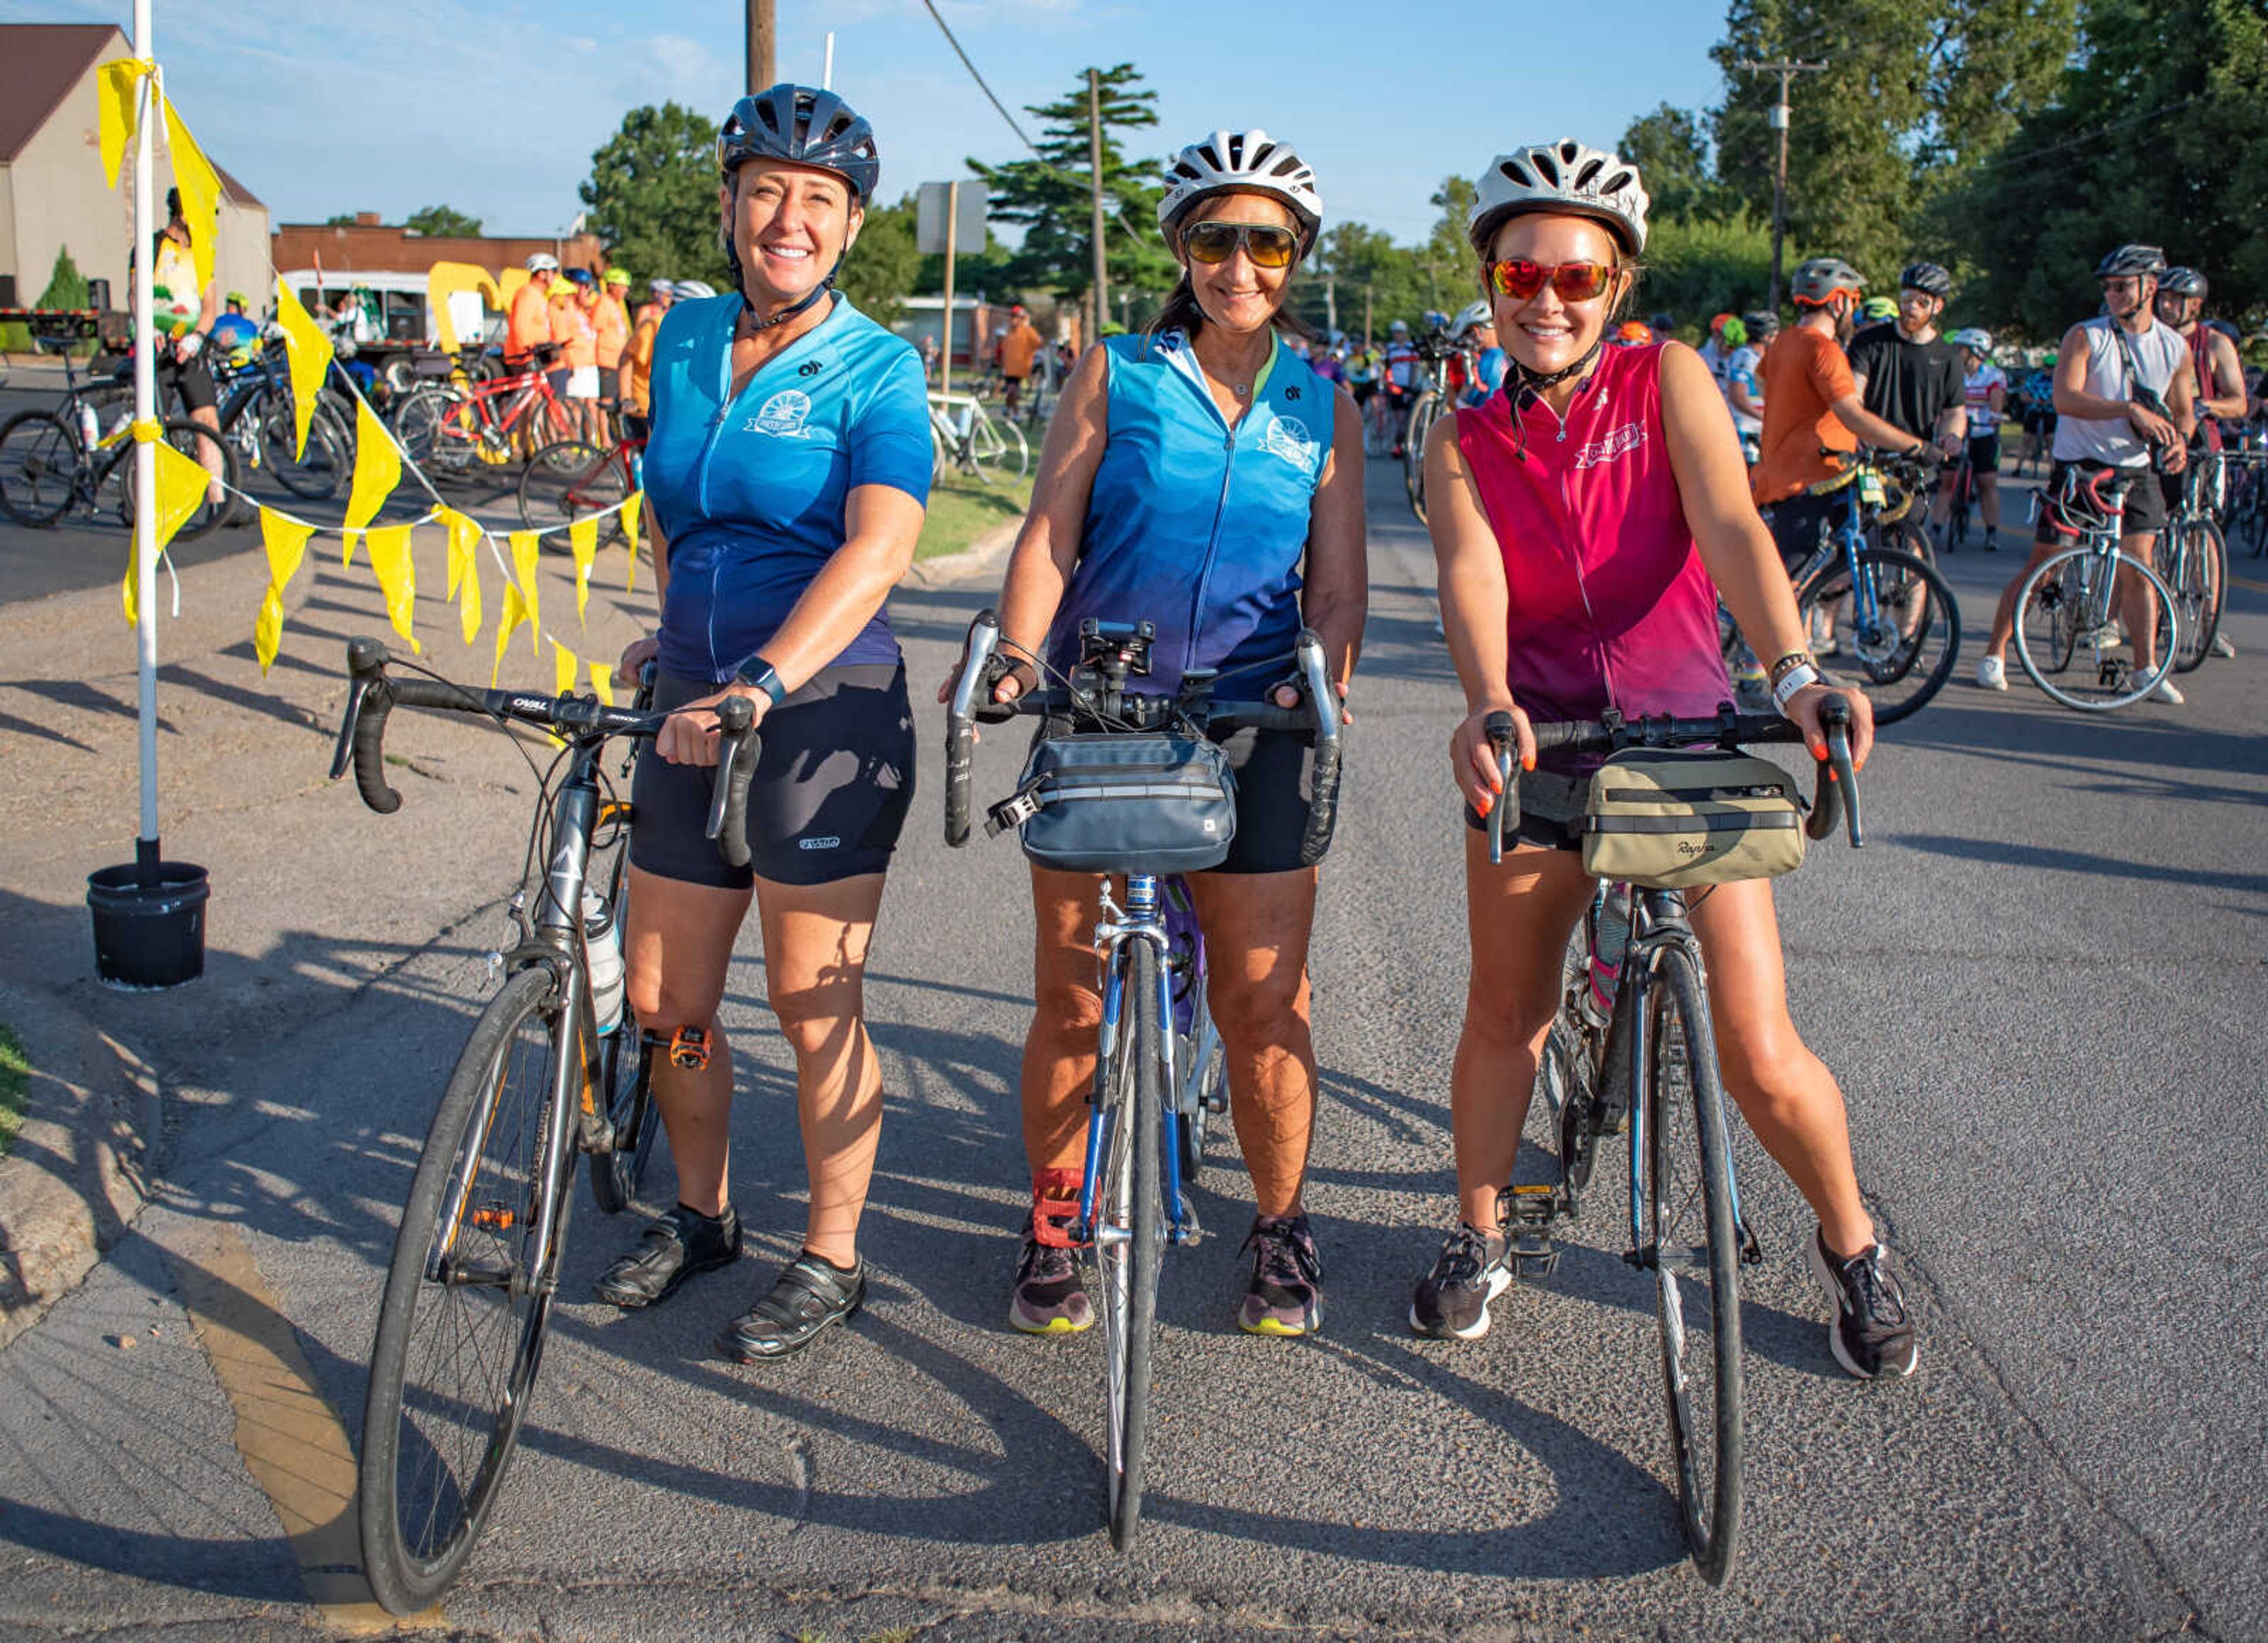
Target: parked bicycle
(967, 438)
(2069, 607)
(257, 416)
(554, 1069)
(49, 465)
(1125, 771)
(574, 479)
(2244, 507)
(1435, 350)
(1633, 1052)
(454, 429)
(2195, 558)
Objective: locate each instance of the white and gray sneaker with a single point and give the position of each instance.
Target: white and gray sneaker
(1992, 672)
(1872, 1335)
(2221, 646)
(2164, 691)
(1451, 1301)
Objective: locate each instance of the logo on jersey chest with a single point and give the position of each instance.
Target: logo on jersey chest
(783, 415)
(1290, 440)
(1627, 438)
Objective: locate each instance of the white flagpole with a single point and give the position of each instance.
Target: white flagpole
(145, 456)
(827, 72)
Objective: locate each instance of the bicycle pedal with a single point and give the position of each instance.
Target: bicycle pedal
(1752, 1253)
(1527, 1217)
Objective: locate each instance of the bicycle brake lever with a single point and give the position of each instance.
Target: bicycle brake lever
(1504, 813)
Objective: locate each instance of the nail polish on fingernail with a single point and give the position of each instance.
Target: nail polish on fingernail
(1527, 762)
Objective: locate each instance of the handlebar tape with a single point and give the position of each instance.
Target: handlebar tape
(728, 804)
(363, 735)
(1324, 810)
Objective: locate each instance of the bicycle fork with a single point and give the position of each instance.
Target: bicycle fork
(1142, 919)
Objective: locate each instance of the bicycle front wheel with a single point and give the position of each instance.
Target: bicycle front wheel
(2200, 584)
(203, 446)
(1129, 1238)
(1421, 416)
(572, 480)
(40, 462)
(2070, 601)
(1692, 1241)
(1896, 620)
(461, 1328)
(997, 451)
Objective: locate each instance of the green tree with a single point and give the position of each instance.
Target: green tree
(653, 195)
(1670, 147)
(1051, 197)
(343, 219)
(66, 285)
(2157, 130)
(443, 222)
(1698, 266)
(880, 269)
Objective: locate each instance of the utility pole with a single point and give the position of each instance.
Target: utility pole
(1095, 166)
(1331, 301)
(759, 45)
(1787, 71)
(1366, 332)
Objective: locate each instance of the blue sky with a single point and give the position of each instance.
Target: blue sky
(496, 109)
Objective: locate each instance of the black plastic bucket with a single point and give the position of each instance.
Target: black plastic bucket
(152, 934)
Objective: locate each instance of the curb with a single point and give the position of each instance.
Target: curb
(984, 554)
(80, 1170)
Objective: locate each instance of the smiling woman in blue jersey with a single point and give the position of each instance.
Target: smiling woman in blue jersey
(1199, 477)
(785, 479)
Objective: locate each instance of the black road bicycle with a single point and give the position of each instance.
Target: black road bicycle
(542, 1080)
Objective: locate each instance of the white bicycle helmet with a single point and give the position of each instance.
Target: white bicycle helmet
(1478, 314)
(1245, 162)
(1975, 340)
(543, 262)
(694, 288)
(1562, 176)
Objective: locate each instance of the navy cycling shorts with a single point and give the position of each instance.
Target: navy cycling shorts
(835, 777)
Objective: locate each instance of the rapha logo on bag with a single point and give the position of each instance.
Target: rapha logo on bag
(783, 415)
(1691, 847)
(1629, 437)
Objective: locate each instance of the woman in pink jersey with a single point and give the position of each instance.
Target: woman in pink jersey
(1589, 515)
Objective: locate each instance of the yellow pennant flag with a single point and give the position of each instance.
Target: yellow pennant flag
(565, 666)
(633, 510)
(128, 593)
(464, 542)
(583, 540)
(286, 541)
(181, 487)
(200, 186)
(267, 628)
(308, 352)
(602, 683)
(515, 612)
(525, 547)
(467, 596)
(377, 470)
(397, 578)
(114, 98)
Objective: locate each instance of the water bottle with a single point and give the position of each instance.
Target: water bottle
(604, 944)
(1609, 940)
(89, 426)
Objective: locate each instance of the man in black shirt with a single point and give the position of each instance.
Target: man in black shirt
(1908, 375)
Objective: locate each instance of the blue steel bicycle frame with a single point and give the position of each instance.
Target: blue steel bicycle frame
(1142, 919)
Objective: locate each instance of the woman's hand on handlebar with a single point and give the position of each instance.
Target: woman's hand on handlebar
(690, 735)
(1290, 694)
(1473, 756)
(1802, 710)
(636, 655)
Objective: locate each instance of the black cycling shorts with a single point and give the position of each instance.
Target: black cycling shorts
(1985, 452)
(1273, 788)
(1797, 522)
(835, 778)
(1551, 809)
(193, 381)
(2145, 505)
(609, 379)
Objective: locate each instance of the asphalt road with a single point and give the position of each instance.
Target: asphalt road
(2041, 984)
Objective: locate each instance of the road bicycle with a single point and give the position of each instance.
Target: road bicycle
(2195, 559)
(2245, 509)
(555, 1068)
(454, 430)
(2068, 606)
(48, 466)
(574, 479)
(1434, 353)
(1632, 1051)
(257, 417)
(966, 438)
(1961, 498)
(1159, 1074)
(1883, 609)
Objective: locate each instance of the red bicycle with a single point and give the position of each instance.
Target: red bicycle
(574, 479)
(456, 428)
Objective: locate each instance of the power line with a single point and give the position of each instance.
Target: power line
(983, 87)
(2028, 155)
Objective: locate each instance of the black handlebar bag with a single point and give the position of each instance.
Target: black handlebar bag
(1153, 802)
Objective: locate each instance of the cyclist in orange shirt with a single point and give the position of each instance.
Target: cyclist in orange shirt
(614, 320)
(575, 328)
(1017, 349)
(528, 319)
(638, 360)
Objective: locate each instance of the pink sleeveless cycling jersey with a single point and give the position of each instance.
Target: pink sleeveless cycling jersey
(1609, 603)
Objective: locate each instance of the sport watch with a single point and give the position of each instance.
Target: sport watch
(759, 675)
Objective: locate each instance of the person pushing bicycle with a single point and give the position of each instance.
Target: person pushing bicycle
(786, 477)
(1588, 518)
(1200, 455)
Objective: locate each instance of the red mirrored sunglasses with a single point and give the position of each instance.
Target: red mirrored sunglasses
(1519, 279)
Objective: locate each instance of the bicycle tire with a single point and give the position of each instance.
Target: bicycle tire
(1421, 416)
(1915, 646)
(2115, 685)
(1688, 1191)
(413, 1551)
(2200, 583)
(568, 479)
(1128, 1241)
(314, 473)
(115, 485)
(40, 463)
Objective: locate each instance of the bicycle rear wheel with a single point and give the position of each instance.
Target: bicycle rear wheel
(1897, 621)
(571, 479)
(461, 1328)
(40, 464)
(196, 442)
(2103, 679)
(1421, 416)
(438, 427)
(1693, 1240)
(998, 451)
(1129, 1238)
(2200, 584)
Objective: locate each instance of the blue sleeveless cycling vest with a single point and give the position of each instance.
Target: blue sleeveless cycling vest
(1195, 526)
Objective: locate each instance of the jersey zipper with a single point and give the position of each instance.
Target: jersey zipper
(1212, 548)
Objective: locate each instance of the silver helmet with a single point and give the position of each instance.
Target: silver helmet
(1562, 176)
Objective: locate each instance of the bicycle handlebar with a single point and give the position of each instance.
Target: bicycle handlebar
(372, 695)
(1319, 714)
(1835, 786)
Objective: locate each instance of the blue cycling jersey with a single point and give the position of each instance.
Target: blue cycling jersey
(1193, 525)
(751, 488)
(1488, 376)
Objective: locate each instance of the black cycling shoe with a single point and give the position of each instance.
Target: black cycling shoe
(671, 1250)
(811, 1295)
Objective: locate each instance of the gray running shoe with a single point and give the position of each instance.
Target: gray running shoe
(1049, 1298)
(1286, 1296)
(1873, 1334)
(1451, 1301)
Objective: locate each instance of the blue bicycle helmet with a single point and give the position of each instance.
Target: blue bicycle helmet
(805, 126)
